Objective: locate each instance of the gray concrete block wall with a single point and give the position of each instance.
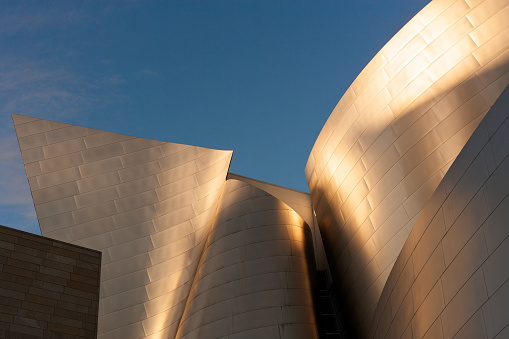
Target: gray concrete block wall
(389, 144)
(150, 208)
(48, 289)
(145, 204)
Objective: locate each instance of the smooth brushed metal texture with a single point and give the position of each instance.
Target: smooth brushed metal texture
(392, 137)
(300, 202)
(118, 194)
(451, 278)
(415, 235)
(255, 275)
(161, 214)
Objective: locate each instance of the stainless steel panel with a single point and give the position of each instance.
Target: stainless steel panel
(31, 141)
(140, 171)
(64, 147)
(496, 312)
(468, 300)
(58, 177)
(94, 212)
(31, 127)
(468, 245)
(137, 144)
(141, 157)
(41, 196)
(102, 152)
(61, 162)
(100, 167)
(56, 207)
(32, 155)
(67, 133)
(91, 228)
(99, 138)
(98, 182)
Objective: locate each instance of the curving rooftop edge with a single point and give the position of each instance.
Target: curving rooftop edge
(394, 134)
(406, 216)
(451, 278)
(173, 234)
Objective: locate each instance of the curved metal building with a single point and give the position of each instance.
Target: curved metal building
(410, 235)
(173, 233)
(394, 134)
(451, 278)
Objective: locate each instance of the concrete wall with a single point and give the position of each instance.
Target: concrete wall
(147, 205)
(48, 289)
(150, 207)
(161, 213)
(392, 137)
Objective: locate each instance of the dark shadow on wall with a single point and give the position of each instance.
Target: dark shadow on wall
(353, 270)
(477, 213)
(241, 218)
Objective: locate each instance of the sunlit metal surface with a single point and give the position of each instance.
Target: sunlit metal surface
(392, 137)
(159, 212)
(300, 202)
(147, 205)
(452, 278)
(163, 214)
(255, 276)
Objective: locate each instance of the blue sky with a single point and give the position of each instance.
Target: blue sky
(256, 77)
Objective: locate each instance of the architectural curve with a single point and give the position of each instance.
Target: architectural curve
(415, 236)
(393, 135)
(256, 273)
(147, 205)
(298, 201)
(451, 278)
(162, 214)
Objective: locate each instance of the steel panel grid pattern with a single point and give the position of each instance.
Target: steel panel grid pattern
(397, 129)
(150, 207)
(256, 273)
(414, 235)
(145, 204)
(451, 279)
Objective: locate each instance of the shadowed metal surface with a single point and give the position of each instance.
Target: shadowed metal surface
(190, 254)
(147, 205)
(300, 202)
(150, 207)
(452, 278)
(255, 276)
(392, 137)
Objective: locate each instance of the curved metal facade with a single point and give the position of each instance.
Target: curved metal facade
(150, 207)
(146, 205)
(192, 251)
(255, 276)
(392, 137)
(451, 278)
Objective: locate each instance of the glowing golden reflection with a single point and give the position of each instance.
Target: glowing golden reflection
(394, 134)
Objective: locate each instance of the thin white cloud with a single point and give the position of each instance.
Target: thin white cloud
(16, 206)
(37, 83)
(42, 90)
(46, 90)
(114, 80)
(32, 17)
(13, 180)
(35, 86)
